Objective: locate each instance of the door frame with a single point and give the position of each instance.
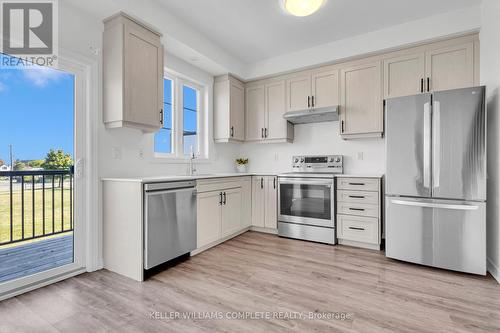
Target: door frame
(87, 239)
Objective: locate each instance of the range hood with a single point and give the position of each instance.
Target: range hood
(313, 115)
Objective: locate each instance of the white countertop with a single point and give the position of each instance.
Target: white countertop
(173, 178)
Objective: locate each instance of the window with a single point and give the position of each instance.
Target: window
(182, 132)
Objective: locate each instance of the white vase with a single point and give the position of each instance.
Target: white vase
(241, 168)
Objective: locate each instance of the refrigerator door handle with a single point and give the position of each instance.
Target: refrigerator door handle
(434, 205)
(436, 147)
(427, 145)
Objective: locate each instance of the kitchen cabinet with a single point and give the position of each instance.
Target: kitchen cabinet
(229, 109)
(317, 89)
(359, 212)
(264, 202)
(430, 69)
(361, 111)
(265, 107)
(231, 211)
(209, 220)
(132, 75)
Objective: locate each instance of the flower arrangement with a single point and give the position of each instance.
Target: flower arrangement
(241, 164)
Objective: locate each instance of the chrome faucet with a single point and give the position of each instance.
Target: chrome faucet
(192, 167)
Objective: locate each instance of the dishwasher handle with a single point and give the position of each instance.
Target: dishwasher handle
(184, 189)
(168, 185)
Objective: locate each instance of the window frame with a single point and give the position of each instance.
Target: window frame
(177, 152)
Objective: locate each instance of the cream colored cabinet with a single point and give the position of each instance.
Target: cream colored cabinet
(271, 203)
(434, 69)
(246, 202)
(255, 119)
(361, 111)
(229, 109)
(209, 220)
(265, 107)
(132, 75)
(231, 211)
(313, 90)
(404, 75)
(450, 67)
(264, 202)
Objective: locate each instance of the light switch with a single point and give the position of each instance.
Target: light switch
(360, 155)
(116, 153)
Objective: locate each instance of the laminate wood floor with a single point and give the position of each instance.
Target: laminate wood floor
(254, 273)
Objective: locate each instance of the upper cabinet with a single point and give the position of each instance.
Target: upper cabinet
(361, 112)
(317, 89)
(229, 109)
(265, 107)
(433, 69)
(132, 75)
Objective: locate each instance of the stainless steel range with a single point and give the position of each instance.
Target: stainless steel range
(306, 198)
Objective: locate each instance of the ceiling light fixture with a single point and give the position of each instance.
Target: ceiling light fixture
(302, 7)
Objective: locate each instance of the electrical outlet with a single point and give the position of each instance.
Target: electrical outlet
(116, 153)
(141, 153)
(360, 155)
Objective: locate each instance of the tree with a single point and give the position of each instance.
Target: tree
(1, 162)
(36, 163)
(18, 165)
(57, 160)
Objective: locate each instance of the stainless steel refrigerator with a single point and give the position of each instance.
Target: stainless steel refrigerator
(436, 179)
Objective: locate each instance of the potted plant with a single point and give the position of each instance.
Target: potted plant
(241, 164)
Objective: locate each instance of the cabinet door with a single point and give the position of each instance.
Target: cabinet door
(298, 91)
(246, 202)
(209, 218)
(404, 76)
(271, 203)
(450, 67)
(361, 99)
(258, 198)
(143, 86)
(275, 109)
(255, 113)
(231, 212)
(237, 111)
(325, 89)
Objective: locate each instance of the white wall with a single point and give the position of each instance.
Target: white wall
(490, 76)
(320, 138)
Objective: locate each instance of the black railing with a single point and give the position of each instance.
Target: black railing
(35, 204)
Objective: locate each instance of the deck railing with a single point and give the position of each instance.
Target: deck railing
(35, 204)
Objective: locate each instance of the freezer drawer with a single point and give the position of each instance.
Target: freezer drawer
(440, 233)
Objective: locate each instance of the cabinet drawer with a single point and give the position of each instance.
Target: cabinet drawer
(358, 184)
(217, 184)
(360, 209)
(358, 197)
(358, 229)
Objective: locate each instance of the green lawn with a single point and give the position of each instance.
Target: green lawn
(51, 224)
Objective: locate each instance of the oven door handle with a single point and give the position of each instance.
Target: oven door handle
(295, 181)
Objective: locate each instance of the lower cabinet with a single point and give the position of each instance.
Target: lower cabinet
(223, 209)
(264, 202)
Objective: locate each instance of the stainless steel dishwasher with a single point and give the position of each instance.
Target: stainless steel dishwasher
(169, 221)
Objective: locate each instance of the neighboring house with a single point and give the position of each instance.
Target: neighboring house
(4, 167)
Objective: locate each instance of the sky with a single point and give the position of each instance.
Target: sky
(36, 112)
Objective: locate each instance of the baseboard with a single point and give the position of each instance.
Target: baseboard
(359, 244)
(264, 230)
(493, 269)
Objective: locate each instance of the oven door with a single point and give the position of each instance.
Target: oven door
(306, 201)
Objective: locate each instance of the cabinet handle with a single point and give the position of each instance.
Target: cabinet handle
(342, 128)
(224, 198)
(356, 228)
(308, 101)
(428, 84)
(220, 198)
(358, 184)
(357, 209)
(422, 85)
(274, 183)
(312, 101)
(232, 131)
(265, 132)
(357, 196)
(261, 182)
(262, 133)
(161, 116)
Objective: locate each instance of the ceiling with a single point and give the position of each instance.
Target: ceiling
(254, 30)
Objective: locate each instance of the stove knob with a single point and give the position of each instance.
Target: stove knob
(296, 160)
(302, 160)
(331, 159)
(337, 159)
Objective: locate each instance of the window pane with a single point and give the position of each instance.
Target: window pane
(163, 138)
(190, 116)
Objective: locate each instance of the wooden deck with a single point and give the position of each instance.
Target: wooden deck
(27, 259)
